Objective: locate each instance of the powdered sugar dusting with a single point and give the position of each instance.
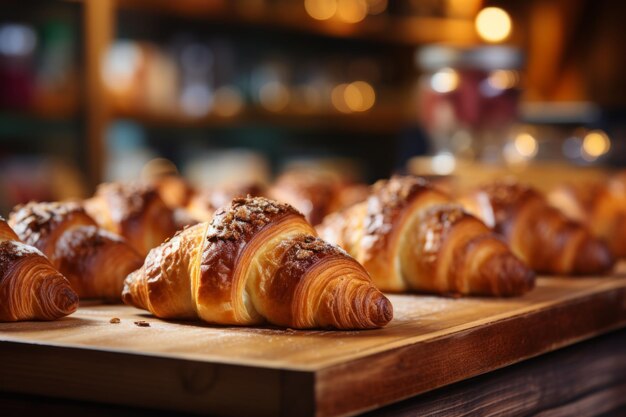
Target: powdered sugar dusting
(18, 249)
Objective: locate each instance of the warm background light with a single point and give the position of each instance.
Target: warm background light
(526, 145)
(376, 6)
(493, 24)
(595, 144)
(351, 11)
(338, 98)
(359, 96)
(228, 101)
(321, 9)
(445, 80)
(503, 79)
(274, 96)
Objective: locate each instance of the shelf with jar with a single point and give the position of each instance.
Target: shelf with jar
(282, 75)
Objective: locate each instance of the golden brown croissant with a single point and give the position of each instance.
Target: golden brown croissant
(95, 261)
(539, 234)
(203, 204)
(257, 261)
(6, 233)
(30, 288)
(316, 194)
(409, 236)
(601, 207)
(174, 190)
(134, 211)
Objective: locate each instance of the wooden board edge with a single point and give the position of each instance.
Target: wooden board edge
(365, 383)
(154, 382)
(604, 285)
(568, 381)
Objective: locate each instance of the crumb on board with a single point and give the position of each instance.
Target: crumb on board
(114, 320)
(142, 323)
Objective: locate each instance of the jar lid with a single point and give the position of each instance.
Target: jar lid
(487, 58)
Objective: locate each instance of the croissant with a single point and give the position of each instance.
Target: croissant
(30, 288)
(134, 211)
(6, 233)
(601, 207)
(409, 236)
(257, 261)
(203, 204)
(173, 190)
(95, 261)
(316, 194)
(541, 235)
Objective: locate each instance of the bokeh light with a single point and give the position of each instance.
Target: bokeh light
(351, 11)
(321, 9)
(274, 96)
(503, 79)
(376, 6)
(526, 145)
(445, 80)
(595, 144)
(228, 101)
(493, 24)
(359, 96)
(443, 163)
(338, 98)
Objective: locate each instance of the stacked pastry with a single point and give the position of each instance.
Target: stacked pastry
(411, 237)
(30, 287)
(94, 260)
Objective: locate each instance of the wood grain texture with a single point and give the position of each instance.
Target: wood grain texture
(587, 379)
(431, 342)
(548, 384)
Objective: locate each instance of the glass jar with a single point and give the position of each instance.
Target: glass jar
(468, 99)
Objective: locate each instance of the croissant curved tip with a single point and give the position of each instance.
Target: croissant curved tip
(593, 257)
(68, 301)
(513, 277)
(381, 310)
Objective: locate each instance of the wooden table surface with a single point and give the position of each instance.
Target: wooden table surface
(187, 367)
(585, 379)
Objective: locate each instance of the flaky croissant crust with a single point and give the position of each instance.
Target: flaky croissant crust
(257, 261)
(409, 236)
(30, 288)
(93, 260)
(134, 211)
(540, 234)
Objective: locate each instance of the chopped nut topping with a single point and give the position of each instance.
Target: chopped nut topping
(114, 320)
(244, 215)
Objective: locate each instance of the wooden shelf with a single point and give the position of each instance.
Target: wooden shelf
(379, 121)
(293, 17)
(32, 124)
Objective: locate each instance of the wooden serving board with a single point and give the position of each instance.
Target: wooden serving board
(431, 342)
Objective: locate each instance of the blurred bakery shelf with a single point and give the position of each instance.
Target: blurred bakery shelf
(257, 49)
(291, 16)
(33, 125)
(389, 121)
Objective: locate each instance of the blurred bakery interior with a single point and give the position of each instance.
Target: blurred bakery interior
(237, 92)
